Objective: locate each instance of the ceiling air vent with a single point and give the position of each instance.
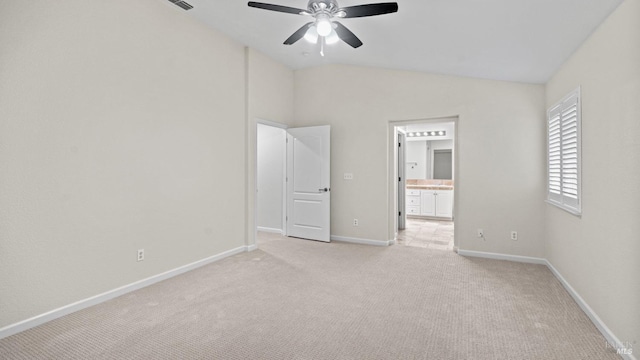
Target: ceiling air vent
(183, 4)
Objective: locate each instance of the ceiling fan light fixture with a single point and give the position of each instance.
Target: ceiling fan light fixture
(311, 35)
(323, 25)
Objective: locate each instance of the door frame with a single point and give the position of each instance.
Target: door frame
(392, 170)
(402, 173)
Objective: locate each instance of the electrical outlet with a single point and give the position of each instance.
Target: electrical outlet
(140, 254)
(355, 222)
(348, 176)
(480, 233)
(514, 235)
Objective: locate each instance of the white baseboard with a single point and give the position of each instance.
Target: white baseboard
(496, 256)
(595, 319)
(269, 230)
(251, 247)
(100, 298)
(360, 241)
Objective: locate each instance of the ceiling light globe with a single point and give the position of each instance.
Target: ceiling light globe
(311, 35)
(332, 38)
(323, 26)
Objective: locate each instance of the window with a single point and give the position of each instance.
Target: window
(563, 149)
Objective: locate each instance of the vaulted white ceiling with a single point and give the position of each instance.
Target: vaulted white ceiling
(513, 40)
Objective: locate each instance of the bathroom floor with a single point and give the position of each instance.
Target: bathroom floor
(432, 234)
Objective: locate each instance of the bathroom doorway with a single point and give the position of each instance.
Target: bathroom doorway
(424, 194)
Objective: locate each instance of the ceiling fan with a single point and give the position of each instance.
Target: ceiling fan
(323, 27)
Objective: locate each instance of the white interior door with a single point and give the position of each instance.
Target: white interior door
(308, 182)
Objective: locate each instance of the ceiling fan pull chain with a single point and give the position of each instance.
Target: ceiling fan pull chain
(322, 46)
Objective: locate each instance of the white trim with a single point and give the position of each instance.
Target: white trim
(269, 230)
(100, 298)
(360, 241)
(565, 208)
(595, 319)
(401, 164)
(283, 221)
(496, 256)
(271, 123)
(251, 247)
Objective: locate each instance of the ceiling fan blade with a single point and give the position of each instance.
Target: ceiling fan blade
(369, 10)
(298, 34)
(279, 8)
(347, 36)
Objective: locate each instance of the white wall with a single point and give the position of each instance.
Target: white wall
(270, 89)
(270, 177)
(122, 127)
(440, 145)
(599, 254)
(416, 167)
(500, 183)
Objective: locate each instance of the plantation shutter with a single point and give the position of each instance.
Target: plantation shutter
(555, 159)
(564, 153)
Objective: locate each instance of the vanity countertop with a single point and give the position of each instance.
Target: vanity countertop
(429, 187)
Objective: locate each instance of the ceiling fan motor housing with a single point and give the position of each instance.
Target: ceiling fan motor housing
(323, 6)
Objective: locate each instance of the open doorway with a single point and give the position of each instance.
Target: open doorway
(292, 177)
(270, 178)
(424, 195)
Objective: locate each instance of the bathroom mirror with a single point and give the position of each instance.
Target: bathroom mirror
(442, 164)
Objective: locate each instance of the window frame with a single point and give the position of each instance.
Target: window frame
(570, 199)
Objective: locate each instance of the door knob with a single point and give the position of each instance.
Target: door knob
(323, 190)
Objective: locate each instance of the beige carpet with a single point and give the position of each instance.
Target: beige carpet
(297, 299)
